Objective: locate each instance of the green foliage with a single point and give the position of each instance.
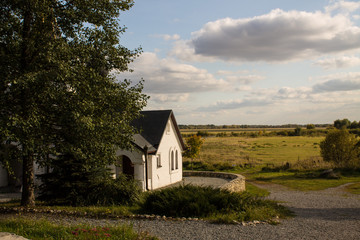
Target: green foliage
(298, 131)
(202, 133)
(194, 201)
(43, 229)
(59, 94)
(81, 186)
(341, 148)
(193, 146)
(342, 124)
(310, 126)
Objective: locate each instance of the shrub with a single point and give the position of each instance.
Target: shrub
(341, 148)
(103, 191)
(195, 201)
(114, 192)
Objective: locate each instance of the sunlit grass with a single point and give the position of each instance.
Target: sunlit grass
(304, 180)
(260, 150)
(353, 188)
(44, 229)
(292, 161)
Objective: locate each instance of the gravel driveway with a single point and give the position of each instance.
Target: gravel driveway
(327, 214)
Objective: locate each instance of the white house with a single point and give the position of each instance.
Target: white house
(156, 160)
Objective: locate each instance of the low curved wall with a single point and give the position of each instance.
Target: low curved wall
(236, 183)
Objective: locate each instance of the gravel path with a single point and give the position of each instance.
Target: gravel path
(327, 214)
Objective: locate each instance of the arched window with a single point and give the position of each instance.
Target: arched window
(176, 160)
(172, 160)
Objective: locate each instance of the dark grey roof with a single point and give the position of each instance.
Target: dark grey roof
(151, 126)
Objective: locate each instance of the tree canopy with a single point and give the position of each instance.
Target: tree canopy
(193, 146)
(59, 95)
(341, 148)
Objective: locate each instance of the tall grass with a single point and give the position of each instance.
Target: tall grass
(232, 153)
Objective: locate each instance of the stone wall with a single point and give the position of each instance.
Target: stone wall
(236, 181)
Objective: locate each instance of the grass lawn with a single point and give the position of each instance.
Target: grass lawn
(304, 180)
(43, 229)
(353, 188)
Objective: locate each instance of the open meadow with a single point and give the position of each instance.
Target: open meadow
(293, 161)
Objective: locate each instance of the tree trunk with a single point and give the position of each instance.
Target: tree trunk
(28, 196)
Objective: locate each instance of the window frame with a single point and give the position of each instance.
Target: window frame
(158, 161)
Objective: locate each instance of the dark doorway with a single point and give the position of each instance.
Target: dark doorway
(128, 167)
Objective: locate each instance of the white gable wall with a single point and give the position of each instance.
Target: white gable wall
(164, 175)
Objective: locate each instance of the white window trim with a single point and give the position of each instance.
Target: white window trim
(174, 170)
(158, 161)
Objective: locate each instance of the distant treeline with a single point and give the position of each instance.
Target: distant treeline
(313, 130)
(268, 133)
(339, 124)
(212, 126)
(261, 133)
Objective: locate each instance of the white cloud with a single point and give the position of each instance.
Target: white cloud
(338, 83)
(225, 72)
(167, 76)
(344, 7)
(168, 80)
(292, 93)
(248, 79)
(277, 36)
(338, 62)
(241, 76)
(324, 96)
(165, 98)
(168, 37)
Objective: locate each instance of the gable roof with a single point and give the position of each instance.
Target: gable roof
(151, 126)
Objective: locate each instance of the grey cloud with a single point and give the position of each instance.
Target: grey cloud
(234, 104)
(339, 62)
(337, 85)
(277, 36)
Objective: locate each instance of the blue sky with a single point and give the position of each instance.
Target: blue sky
(247, 62)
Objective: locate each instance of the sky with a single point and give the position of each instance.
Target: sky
(247, 62)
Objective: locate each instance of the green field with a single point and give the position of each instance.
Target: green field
(293, 161)
(260, 150)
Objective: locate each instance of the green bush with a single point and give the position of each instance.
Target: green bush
(341, 148)
(111, 191)
(207, 202)
(104, 191)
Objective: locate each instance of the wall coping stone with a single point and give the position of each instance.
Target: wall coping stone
(236, 183)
